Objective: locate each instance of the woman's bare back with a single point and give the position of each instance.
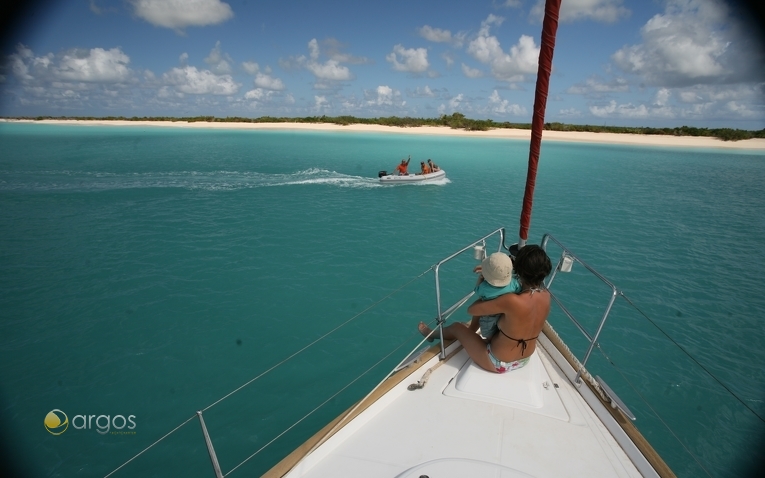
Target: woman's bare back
(520, 324)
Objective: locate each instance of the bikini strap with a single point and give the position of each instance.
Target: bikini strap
(521, 342)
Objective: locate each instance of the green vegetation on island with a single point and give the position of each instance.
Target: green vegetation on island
(455, 121)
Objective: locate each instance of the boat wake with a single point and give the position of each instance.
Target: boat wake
(434, 182)
(84, 181)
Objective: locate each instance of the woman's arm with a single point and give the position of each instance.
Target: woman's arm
(489, 307)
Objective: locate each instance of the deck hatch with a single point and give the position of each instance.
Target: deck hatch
(521, 389)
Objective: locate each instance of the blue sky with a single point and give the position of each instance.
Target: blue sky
(617, 62)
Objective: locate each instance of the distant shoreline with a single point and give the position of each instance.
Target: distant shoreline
(504, 133)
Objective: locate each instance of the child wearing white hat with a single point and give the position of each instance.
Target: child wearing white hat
(496, 279)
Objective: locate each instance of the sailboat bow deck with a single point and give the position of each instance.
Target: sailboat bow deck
(468, 422)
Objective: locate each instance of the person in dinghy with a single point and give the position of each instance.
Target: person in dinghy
(401, 169)
(522, 316)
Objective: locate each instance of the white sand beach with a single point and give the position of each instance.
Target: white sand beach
(565, 136)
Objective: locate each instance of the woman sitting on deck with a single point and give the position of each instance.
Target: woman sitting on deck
(523, 316)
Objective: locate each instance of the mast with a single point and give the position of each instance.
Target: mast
(549, 29)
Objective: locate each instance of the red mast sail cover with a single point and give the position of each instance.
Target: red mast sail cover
(549, 29)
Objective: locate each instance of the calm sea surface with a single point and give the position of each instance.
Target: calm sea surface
(148, 272)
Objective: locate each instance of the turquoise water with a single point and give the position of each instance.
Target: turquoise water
(151, 271)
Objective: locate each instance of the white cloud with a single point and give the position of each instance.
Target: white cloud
(73, 79)
(95, 8)
(471, 72)
(630, 111)
(606, 11)
(220, 63)
(621, 111)
(690, 97)
(96, 65)
(719, 95)
(329, 70)
(255, 94)
(184, 58)
(743, 110)
(178, 14)
(521, 60)
(250, 67)
(268, 82)
(384, 96)
(698, 103)
(455, 102)
(166, 92)
(328, 73)
(200, 82)
(260, 97)
(448, 59)
(332, 48)
(424, 92)
(593, 86)
(313, 47)
(21, 61)
(413, 60)
(436, 35)
(662, 97)
(570, 113)
(320, 102)
(500, 106)
(693, 42)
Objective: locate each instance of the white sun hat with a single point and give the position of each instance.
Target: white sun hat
(497, 269)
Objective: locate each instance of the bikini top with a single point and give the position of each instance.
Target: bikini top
(521, 342)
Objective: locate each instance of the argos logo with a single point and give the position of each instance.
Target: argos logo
(57, 422)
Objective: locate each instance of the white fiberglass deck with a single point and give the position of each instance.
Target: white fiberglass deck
(470, 423)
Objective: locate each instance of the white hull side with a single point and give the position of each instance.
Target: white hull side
(413, 178)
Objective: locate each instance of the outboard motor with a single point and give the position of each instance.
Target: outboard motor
(382, 173)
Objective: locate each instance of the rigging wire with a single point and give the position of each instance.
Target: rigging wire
(385, 357)
(453, 309)
(656, 414)
(647, 403)
(147, 448)
(694, 359)
(277, 365)
(318, 339)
